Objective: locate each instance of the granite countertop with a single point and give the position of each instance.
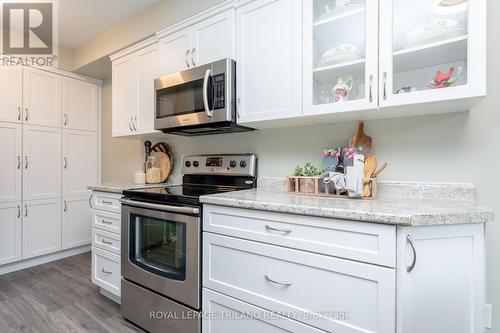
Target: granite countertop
(387, 210)
(120, 187)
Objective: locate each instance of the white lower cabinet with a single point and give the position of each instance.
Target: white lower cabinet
(106, 270)
(76, 222)
(10, 232)
(259, 266)
(41, 227)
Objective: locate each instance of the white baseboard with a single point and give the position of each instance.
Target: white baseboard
(16, 266)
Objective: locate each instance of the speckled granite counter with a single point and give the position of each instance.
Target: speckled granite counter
(387, 210)
(119, 187)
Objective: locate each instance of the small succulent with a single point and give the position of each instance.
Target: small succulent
(308, 170)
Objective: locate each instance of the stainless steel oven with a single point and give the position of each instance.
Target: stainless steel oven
(198, 101)
(160, 264)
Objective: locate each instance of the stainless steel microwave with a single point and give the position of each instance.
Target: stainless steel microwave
(198, 101)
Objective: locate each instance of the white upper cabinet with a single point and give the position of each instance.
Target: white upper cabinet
(11, 93)
(11, 151)
(340, 56)
(42, 98)
(123, 95)
(148, 69)
(213, 38)
(79, 104)
(269, 60)
(431, 51)
(79, 163)
(10, 232)
(41, 162)
(76, 222)
(175, 52)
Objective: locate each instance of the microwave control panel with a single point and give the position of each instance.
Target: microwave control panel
(219, 91)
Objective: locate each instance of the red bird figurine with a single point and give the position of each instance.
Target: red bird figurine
(443, 80)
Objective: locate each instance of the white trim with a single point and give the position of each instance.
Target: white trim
(214, 10)
(16, 266)
(133, 48)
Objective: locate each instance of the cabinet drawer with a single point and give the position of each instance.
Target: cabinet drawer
(306, 284)
(106, 240)
(106, 271)
(106, 221)
(366, 242)
(109, 202)
(225, 310)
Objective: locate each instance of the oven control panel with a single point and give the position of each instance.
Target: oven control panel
(224, 164)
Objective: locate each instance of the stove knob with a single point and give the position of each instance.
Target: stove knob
(196, 164)
(232, 164)
(187, 164)
(243, 163)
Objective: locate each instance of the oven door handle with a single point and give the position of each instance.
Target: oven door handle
(205, 92)
(166, 208)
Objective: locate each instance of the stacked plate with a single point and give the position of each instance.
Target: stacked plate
(331, 14)
(339, 54)
(437, 30)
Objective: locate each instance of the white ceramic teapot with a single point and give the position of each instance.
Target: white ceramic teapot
(342, 88)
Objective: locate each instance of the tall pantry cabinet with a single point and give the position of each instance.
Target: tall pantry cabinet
(49, 149)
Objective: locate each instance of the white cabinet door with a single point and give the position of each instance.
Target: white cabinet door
(79, 161)
(42, 98)
(41, 227)
(11, 93)
(41, 162)
(213, 38)
(10, 232)
(76, 222)
(124, 99)
(334, 84)
(175, 52)
(269, 60)
(441, 279)
(148, 69)
(11, 152)
(79, 104)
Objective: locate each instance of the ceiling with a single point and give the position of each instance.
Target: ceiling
(80, 20)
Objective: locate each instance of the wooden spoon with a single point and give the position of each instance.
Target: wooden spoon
(376, 173)
(370, 167)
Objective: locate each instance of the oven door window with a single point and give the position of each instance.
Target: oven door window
(185, 98)
(158, 246)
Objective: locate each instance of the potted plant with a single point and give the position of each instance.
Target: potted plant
(307, 176)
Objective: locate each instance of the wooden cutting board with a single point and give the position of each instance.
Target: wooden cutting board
(362, 140)
(165, 164)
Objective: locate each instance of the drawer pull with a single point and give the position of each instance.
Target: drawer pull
(106, 222)
(410, 268)
(106, 242)
(285, 231)
(106, 272)
(280, 283)
(107, 202)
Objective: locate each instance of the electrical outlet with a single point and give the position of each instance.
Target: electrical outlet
(487, 315)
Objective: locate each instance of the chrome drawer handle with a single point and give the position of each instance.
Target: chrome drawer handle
(18, 162)
(65, 206)
(65, 119)
(106, 272)
(18, 113)
(280, 283)
(187, 55)
(106, 222)
(285, 231)
(90, 201)
(25, 210)
(370, 92)
(192, 53)
(410, 268)
(106, 242)
(26, 118)
(18, 211)
(385, 86)
(107, 202)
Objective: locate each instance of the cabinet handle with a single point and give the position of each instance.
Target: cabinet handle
(192, 53)
(106, 242)
(26, 118)
(385, 85)
(106, 272)
(134, 123)
(371, 86)
(65, 162)
(106, 222)
(107, 202)
(281, 283)
(25, 210)
(187, 55)
(286, 231)
(18, 162)
(18, 113)
(18, 211)
(65, 206)
(90, 201)
(65, 119)
(238, 108)
(130, 124)
(412, 266)
(26, 162)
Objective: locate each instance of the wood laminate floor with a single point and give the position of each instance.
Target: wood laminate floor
(57, 297)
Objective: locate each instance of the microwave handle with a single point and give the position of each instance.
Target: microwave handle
(205, 92)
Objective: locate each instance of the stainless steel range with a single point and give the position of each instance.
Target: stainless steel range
(161, 242)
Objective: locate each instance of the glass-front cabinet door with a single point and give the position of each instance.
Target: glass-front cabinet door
(340, 55)
(431, 50)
